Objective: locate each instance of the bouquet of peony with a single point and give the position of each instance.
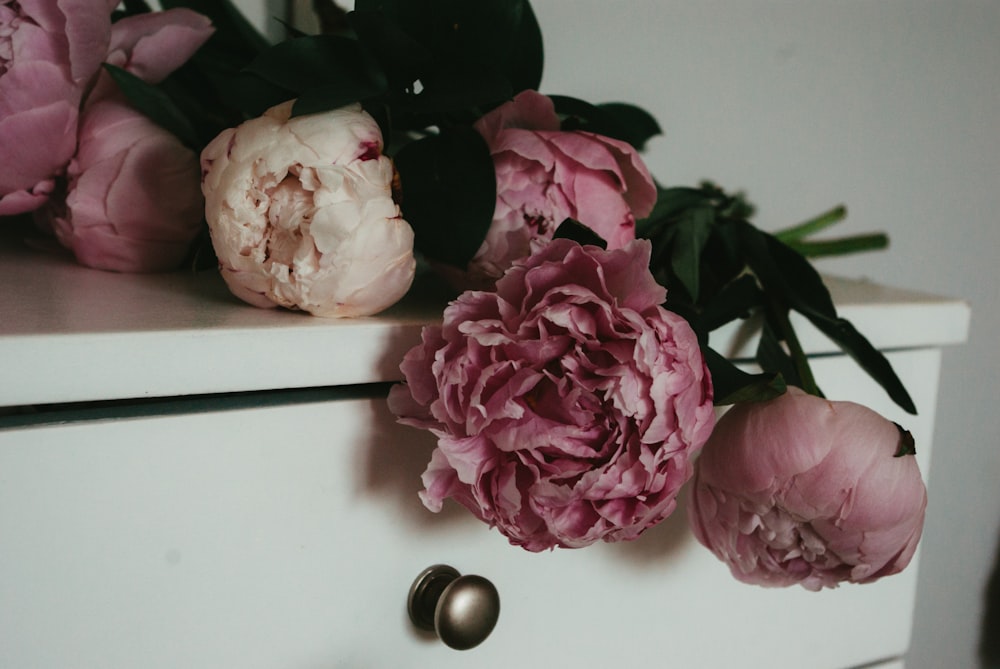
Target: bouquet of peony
(569, 384)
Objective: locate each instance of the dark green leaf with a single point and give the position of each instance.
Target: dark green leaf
(691, 235)
(325, 98)
(155, 104)
(453, 89)
(638, 123)
(789, 278)
(784, 273)
(736, 300)
(732, 384)
(320, 61)
(233, 32)
(907, 444)
(525, 56)
(619, 121)
(401, 57)
(772, 357)
(867, 356)
(448, 193)
(580, 233)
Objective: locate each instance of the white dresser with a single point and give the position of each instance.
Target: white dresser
(188, 482)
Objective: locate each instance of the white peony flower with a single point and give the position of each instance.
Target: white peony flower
(301, 213)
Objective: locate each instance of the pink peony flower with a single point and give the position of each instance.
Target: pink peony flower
(132, 203)
(302, 216)
(567, 404)
(49, 55)
(802, 490)
(545, 175)
(132, 200)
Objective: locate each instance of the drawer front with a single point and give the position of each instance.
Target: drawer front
(288, 537)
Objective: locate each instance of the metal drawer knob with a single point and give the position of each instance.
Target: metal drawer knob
(462, 609)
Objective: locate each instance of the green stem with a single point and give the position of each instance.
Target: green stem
(813, 225)
(842, 246)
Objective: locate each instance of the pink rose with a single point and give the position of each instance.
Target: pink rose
(49, 55)
(302, 216)
(567, 404)
(802, 490)
(133, 201)
(545, 175)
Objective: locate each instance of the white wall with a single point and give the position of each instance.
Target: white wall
(890, 106)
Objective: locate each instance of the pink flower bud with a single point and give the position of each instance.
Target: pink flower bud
(803, 490)
(544, 176)
(49, 54)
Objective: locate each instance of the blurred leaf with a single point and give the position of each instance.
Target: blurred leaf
(155, 104)
(448, 193)
(579, 233)
(233, 32)
(320, 62)
(731, 384)
(526, 54)
(401, 57)
(502, 34)
(907, 444)
(454, 89)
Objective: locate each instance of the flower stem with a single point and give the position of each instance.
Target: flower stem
(813, 225)
(841, 246)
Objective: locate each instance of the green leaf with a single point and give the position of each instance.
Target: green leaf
(691, 235)
(789, 278)
(320, 62)
(639, 125)
(448, 193)
(627, 123)
(869, 358)
(402, 58)
(737, 299)
(579, 233)
(456, 88)
(233, 32)
(731, 384)
(155, 104)
(526, 55)
(773, 358)
(907, 444)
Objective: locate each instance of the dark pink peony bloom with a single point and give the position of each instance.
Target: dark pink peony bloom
(567, 404)
(801, 490)
(133, 198)
(50, 53)
(133, 202)
(545, 175)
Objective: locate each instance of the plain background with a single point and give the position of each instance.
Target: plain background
(891, 107)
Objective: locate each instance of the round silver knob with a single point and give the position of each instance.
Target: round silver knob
(462, 609)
